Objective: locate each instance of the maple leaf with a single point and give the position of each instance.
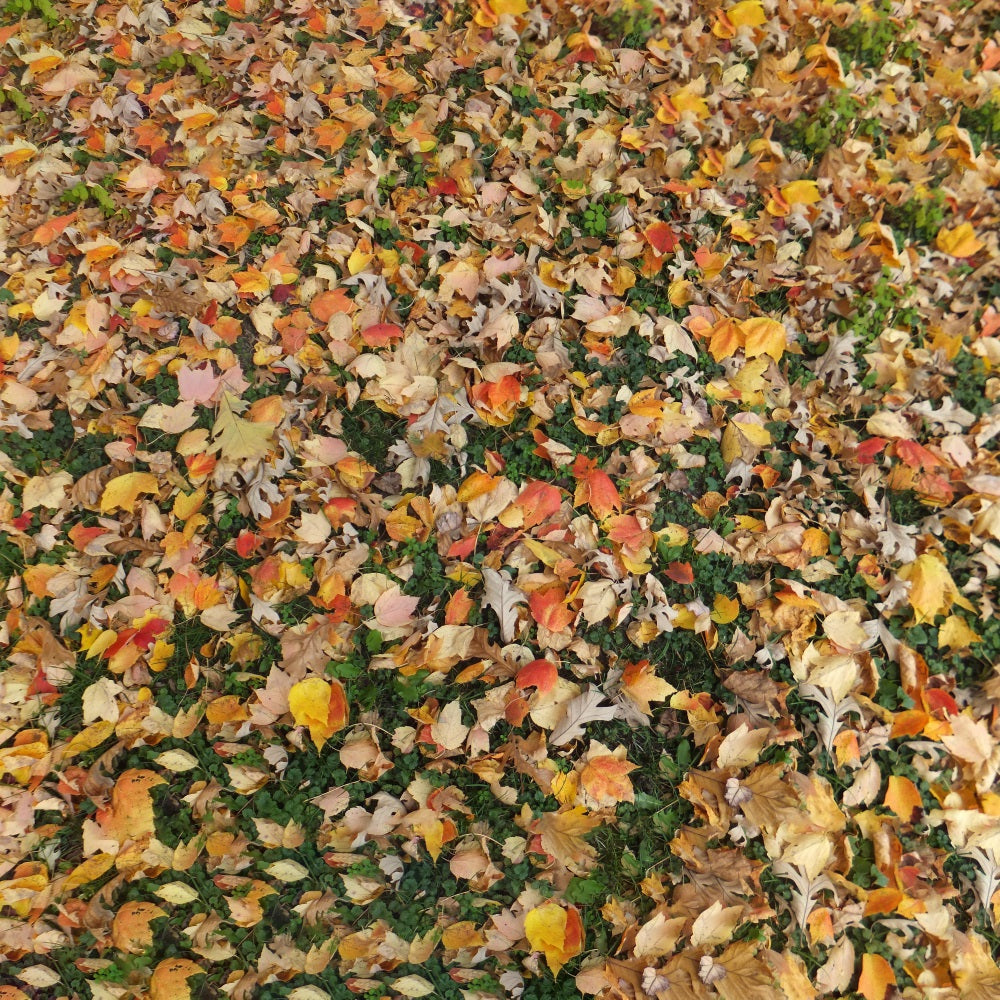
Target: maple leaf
(548, 608)
(556, 931)
(122, 492)
(959, 242)
(237, 439)
(932, 590)
(595, 488)
(605, 777)
(562, 834)
(641, 685)
(321, 705)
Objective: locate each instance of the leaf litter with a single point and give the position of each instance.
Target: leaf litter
(499, 499)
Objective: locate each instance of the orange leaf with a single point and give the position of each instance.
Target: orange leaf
(234, 231)
(52, 228)
(497, 402)
(548, 608)
(641, 685)
(170, 979)
(538, 501)
(458, 607)
(131, 814)
(330, 302)
(916, 456)
(903, 797)
(130, 930)
(251, 283)
(876, 978)
(596, 488)
(330, 135)
(606, 778)
(381, 334)
(727, 339)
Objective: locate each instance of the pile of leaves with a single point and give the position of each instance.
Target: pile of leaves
(499, 500)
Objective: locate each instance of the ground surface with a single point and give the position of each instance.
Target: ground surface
(499, 501)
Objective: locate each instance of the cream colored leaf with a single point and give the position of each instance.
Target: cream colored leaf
(178, 893)
(287, 871)
(177, 761)
(413, 986)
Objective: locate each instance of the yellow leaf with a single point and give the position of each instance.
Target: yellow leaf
(358, 261)
(177, 760)
(93, 736)
(747, 13)
(800, 193)
(959, 242)
(932, 590)
(237, 439)
(754, 433)
(123, 491)
(686, 100)
(320, 705)
(177, 893)
(956, 634)
(554, 931)
(725, 609)
(762, 335)
(89, 871)
(501, 7)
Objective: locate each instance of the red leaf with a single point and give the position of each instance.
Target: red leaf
(661, 238)
(548, 608)
(867, 450)
(381, 334)
(442, 185)
(680, 572)
(246, 544)
(916, 456)
(538, 501)
(540, 674)
(939, 701)
(462, 548)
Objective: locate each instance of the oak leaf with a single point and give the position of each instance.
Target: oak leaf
(237, 439)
